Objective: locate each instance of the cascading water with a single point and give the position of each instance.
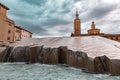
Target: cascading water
(7, 54)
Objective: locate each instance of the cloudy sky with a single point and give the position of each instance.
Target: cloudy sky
(55, 17)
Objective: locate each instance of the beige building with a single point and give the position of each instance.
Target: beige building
(3, 23)
(8, 31)
(17, 35)
(21, 33)
(25, 33)
(91, 32)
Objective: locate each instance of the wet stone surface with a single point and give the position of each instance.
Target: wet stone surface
(93, 46)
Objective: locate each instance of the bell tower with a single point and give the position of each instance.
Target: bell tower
(93, 30)
(77, 25)
(93, 25)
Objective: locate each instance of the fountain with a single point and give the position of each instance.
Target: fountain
(60, 55)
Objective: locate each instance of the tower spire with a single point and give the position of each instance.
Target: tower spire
(93, 22)
(93, 25)
(77, 13)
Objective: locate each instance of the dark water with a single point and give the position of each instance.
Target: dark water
(21, 71)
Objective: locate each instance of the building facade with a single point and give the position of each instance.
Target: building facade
(25, 33)
(9, 32)
(91, 32)
(17, 35)
(3, 23)
(21, 33)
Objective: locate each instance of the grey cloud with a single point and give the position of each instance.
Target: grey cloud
(38, 29)
(77, 0)
(35, 2)
(23, 15)
(98, 12)
(55, 21)
(42, 16)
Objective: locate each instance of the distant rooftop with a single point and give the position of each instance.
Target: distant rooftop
(23, 29)
(11, 21)
(4, 6)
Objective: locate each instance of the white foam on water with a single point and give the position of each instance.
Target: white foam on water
(101, 75)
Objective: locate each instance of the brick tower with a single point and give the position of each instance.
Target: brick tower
(77, 25)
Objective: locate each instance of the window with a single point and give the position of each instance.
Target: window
(8, 38)
(9, 25)
(9, 31)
